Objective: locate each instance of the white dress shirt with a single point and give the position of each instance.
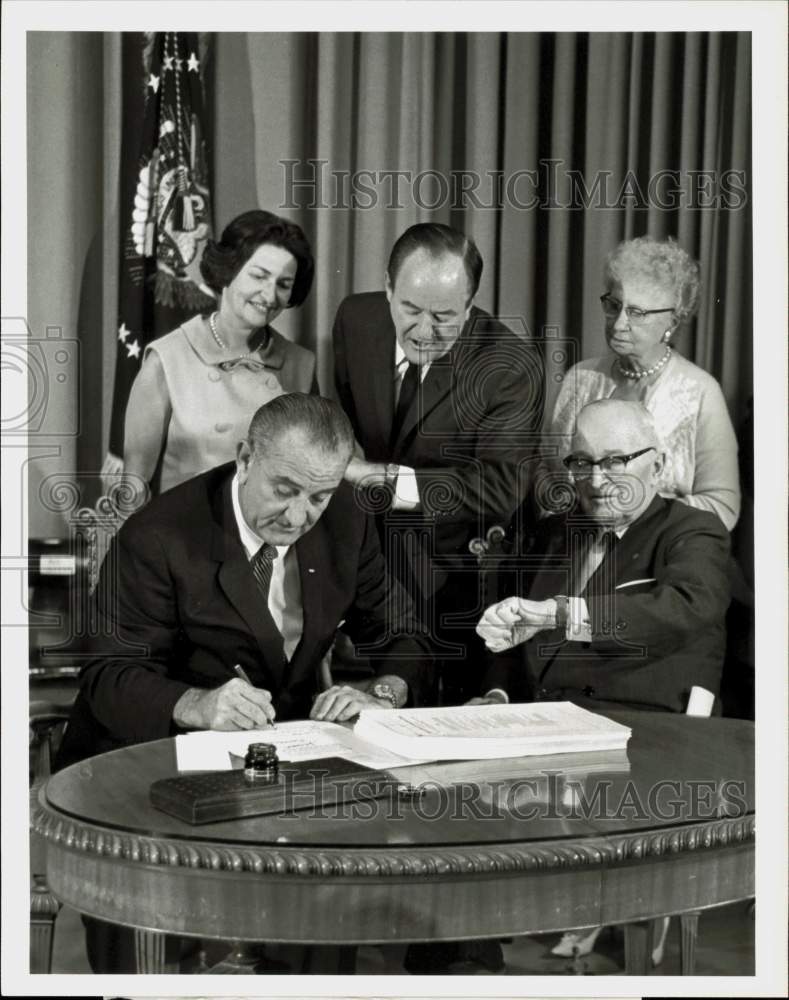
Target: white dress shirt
(406, 488)
(284, 596)
(579, 622)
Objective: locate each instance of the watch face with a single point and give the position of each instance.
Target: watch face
(383, 691)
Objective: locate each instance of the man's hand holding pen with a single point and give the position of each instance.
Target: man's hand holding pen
(235, 705)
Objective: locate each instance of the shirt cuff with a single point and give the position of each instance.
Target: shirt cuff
(406, 490)
(579, 624)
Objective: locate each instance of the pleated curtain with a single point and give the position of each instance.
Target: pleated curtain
(604, 105)
(618, 108)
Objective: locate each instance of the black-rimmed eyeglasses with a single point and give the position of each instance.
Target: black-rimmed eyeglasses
(580, 466)
(613, 307)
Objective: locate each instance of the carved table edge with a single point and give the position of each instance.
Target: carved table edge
(393, 862)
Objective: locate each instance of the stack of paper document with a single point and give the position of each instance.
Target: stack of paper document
(385, 739)
(477, 732)
(295, 741)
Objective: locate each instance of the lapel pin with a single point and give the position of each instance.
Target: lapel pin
(310, 569)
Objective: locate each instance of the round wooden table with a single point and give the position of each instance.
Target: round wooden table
(491, 849)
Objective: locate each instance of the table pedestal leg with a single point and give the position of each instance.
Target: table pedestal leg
(241, 960)
(155, 952)
(689, 927)
(638, 939)
(43, 910)
(248, 958)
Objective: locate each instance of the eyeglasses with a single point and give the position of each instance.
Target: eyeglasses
(580, 466)
(613, 307)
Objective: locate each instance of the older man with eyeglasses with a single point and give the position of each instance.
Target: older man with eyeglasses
(619, 602)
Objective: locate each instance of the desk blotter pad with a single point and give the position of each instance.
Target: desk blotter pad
(211, 797)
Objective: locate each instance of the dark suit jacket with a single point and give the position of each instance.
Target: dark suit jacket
(469, 435)
(177, 607)
(657, 604)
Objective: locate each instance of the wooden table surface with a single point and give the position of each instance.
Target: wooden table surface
(493, 848)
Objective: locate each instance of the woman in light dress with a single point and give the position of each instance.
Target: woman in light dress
(199, 385)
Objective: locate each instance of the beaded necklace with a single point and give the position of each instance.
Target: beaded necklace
(644, 372)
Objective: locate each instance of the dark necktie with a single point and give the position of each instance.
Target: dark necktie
(262, 568)
(262, 564)
(408, 389)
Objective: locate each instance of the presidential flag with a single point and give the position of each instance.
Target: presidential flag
(165, 202)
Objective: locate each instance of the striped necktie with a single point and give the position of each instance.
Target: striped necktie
(263, 567)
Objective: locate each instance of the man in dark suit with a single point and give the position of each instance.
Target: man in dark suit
(627, 600)
(218, 602)
(444, 401)
(245, 571)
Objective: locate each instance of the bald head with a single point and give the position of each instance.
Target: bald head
(624, 425)
(610, 427)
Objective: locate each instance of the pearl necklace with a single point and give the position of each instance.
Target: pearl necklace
(632, 373)
(215, 333)
(221, 344)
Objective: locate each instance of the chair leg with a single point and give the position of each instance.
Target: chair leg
(155, 952)
(637, 938)
(43, 910)
(689, 928)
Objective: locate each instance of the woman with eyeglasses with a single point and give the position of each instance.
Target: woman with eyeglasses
(652, 287)
(199, 385)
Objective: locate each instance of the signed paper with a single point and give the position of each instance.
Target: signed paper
(295, 741)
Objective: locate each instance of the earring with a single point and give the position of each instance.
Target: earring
(667, 336)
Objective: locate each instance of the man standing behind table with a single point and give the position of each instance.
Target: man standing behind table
(246, 570)
(443, 400)
(626, 601)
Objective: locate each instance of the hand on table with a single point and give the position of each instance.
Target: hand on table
(342, 702)
(515, 620)
(491, 698)
(235, 705)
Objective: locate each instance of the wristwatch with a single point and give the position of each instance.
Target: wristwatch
(391, 474)
(385, 692)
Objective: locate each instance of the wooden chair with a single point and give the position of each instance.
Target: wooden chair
(576, 944)
(92, 530)
(47, 721)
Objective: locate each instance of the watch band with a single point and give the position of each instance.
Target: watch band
(392, 471)
(384, 693)
(561, 611)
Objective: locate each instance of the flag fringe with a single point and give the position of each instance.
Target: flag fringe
(174, 292)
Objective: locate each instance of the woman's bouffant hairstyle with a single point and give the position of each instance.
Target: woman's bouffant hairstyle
(663, 262)
(222, 261)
